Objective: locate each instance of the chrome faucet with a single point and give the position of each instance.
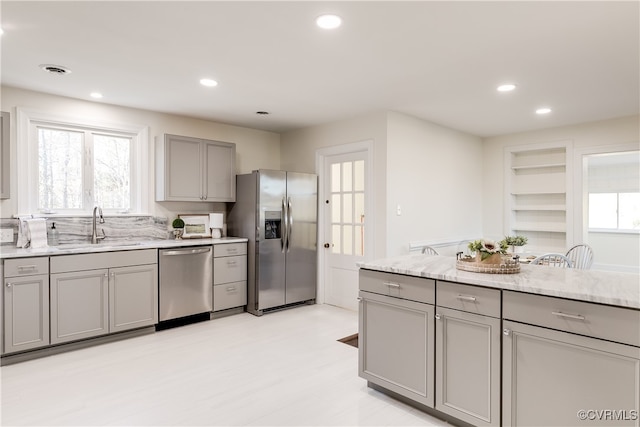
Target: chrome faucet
(94, 234)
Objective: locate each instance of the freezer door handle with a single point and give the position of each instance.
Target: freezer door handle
(283, 233)
(290, 215)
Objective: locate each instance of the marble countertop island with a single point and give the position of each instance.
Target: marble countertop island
(111, 246)
(612, 288)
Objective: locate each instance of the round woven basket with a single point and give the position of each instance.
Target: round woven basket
(506, 266)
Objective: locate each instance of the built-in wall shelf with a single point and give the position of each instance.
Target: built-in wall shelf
(537, 182)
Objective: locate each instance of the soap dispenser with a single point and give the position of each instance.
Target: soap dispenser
(53, 235)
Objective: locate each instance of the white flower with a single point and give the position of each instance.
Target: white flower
(490, 246)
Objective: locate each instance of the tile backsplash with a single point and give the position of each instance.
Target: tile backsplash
(77, 230)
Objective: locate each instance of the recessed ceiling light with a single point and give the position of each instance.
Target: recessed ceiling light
(55, 69)
(508, 87)
(208, 82)
(328, 22)
(544, 110)
(96, 95)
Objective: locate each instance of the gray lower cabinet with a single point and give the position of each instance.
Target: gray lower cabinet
(396, 338)
(550, 375)
(26, 304)
(468, 353)
(117, 291)
(79, 305)
(133, 297)
(229, 276)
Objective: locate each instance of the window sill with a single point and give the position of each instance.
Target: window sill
(612, 231)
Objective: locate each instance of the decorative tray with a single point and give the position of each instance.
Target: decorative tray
(507, 266)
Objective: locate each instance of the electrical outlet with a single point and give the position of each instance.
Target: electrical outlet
(6, 235)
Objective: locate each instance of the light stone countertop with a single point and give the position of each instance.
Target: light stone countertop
(111, 246)
(612, 288)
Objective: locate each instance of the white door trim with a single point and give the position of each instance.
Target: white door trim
(321, 155)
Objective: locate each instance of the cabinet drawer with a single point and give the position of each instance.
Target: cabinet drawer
(26, 266)
(229, 249)
(600, 321)
(229, 295)
(399, 286)
(229, 269)
(472, 299)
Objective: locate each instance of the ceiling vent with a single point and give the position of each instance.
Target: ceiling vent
(55, 69)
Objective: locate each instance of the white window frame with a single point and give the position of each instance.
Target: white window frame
(27, 156)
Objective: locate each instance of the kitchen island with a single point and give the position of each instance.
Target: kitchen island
(546, 346)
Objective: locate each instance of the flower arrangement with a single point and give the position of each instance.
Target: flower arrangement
(515, 240)
(486, 247)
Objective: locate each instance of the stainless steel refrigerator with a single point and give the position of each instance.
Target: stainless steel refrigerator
(277, 212)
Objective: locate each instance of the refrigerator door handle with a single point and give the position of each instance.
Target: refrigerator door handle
(283, 233)
(290, 215)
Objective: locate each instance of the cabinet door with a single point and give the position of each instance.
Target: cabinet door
(229, 269)
(26, 312)
(5, 164)
(79, 305)
(182, 169)
(468, 366)
(549, 376)
(133, 297)
(219, 171)
(396, 345)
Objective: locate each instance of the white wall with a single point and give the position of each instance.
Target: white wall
(425, 168)
(620, 131)
(298, 153)
(254, 148)
(434, 175)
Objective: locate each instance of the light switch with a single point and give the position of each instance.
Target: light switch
(398, 210)
(6, 235)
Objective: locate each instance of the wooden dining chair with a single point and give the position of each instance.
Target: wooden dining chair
(581, 256)
(428, 250)
(553, 260)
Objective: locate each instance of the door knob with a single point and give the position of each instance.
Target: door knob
(326, 245)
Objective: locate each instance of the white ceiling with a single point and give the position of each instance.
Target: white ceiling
(439, 61)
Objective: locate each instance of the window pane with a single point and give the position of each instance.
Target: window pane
(347, 239)
(335, 208)
(112, 172)
(335, 177)
(359, 208)
(358, 175)
(347, 208)
(59, 169)
(629, 205)
(603, 210)
(347, 176)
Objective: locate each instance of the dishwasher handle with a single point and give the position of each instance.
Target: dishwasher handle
(185, 251)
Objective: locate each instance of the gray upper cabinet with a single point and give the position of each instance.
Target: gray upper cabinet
(468, 353)
(5, 173)
(195, 170)
(26, 304)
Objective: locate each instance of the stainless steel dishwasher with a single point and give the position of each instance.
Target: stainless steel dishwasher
(186, 285)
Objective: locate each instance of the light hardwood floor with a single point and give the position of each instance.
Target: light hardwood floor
(282, 369)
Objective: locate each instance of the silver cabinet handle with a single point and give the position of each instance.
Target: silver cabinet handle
(106, 275)
(567, 315)
(506, 332)
(27, 267)
(359, 299)
(466, 298)
(232, 263)
(392, 285)
(438, 317)
(231, 288)
(8, 285)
